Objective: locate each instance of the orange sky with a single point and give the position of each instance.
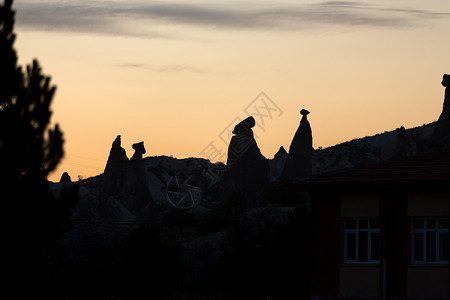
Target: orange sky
(177, 75)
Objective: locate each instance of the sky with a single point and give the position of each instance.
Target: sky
(178, 75)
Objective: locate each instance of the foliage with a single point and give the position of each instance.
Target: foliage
(226, 215)
(284, 195)
(271, 259)
(10, 74)
(179, 217)
(29, 151)
(151, 263)
(145, 266)
(257, 259)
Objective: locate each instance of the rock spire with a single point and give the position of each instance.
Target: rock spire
(298, 163)
(247, 168)
(441, 137)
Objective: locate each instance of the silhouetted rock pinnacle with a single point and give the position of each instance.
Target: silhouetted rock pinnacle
(298, 163)
(242, 142)
(125, 186)
(446, 83)
(136, 195)
(441, 136)
(281, 153)
(114, 176)
(246, 166)
(117, 159)
(65, 178)
(115, 169)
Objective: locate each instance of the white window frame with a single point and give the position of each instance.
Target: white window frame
(424, 231)
(369, 241)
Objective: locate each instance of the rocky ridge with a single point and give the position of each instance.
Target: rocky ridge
(139, 189)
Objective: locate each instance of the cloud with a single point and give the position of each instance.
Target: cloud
(133, 18)
(163, 69)
(85, 17)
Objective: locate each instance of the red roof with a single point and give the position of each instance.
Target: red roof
(424, 169)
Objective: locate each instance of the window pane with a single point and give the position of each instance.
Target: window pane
(443, 223)
(350, 224)
(418, 246)
(444, 249)
(374, 224)
(431, 246)
(363, 224)
(431, 223)
(375, 246)
(351, 246)
(362, 245)
(418, 224)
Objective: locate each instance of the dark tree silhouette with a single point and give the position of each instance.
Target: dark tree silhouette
(146, 266)
(271, 258)
(29, 151)
(10, 74)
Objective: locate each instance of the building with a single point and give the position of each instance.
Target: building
(381, 232)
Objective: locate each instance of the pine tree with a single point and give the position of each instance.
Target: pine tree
(10, 74)
(29, 151)
(25, 144)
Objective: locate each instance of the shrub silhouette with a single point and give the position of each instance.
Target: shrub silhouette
(145, 266)
(270, 259)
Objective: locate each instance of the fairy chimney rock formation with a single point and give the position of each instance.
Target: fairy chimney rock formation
(117, 160)
(136, 195)
(446, 82)
(242, 141)
(246, 166)
(125, 183)
(298, 163)
(441, 136)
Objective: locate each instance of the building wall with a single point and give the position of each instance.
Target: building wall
(394, 240)
(395, 207)
(358, 280)
(427, 281)
(325, 244)
(428, 203)
(360, 204)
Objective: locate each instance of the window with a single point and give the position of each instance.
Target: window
(362, 240)
(430, 241)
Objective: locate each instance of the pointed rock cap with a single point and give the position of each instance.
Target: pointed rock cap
(446, 80)
(65, 178)
(304, 112)
(244, 125)
(139, 147)
(117, 141)
(117, 158)
(281, 153)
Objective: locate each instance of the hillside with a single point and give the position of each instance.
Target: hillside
(194, 184)
(239, 219)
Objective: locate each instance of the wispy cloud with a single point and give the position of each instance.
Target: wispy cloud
(176, 68)
(110, 17)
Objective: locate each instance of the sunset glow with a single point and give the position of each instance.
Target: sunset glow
(177, 74)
